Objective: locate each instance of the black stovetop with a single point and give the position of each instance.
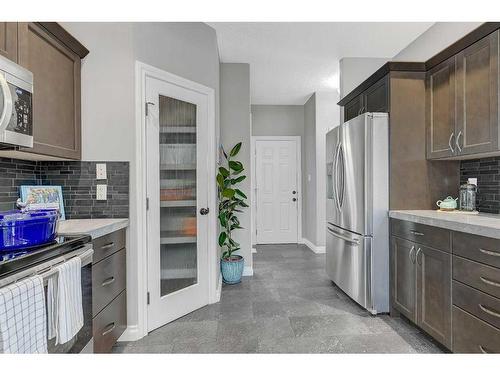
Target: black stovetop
(17, 260)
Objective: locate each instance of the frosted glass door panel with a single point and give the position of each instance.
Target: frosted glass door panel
(178, 222)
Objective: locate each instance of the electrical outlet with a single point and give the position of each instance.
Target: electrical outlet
(100, 171)
(101, 192)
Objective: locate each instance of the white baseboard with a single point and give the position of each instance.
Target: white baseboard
(218, 291)
(131, 334)
(254, 250)
(314, 248)
(248, 271)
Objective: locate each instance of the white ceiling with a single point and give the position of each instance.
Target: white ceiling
(289, 61)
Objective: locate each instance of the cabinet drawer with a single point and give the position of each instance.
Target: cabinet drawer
(109, 244)
(110, 323)
(477, 303)
(477, 275)
(437, 238)
(108, 280)
(482, 249)
(471, 335)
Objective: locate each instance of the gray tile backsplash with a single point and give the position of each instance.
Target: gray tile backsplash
(487, 171)
(78, 181)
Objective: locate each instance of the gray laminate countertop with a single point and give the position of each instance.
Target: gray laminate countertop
(94, 227)
(481, 224)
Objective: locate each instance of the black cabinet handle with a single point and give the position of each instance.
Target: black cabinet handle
(108, 245)
(204, 211)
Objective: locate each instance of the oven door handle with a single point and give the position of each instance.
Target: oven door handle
(7, 103)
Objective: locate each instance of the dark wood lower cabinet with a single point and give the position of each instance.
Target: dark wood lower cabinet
(434, 293)
(403, 271)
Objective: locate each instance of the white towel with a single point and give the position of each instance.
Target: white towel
(23, 323)
(64, 301)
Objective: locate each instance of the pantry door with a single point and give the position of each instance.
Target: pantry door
(177, 190)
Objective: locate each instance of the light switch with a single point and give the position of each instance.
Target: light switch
(101, 192)
(100, 171)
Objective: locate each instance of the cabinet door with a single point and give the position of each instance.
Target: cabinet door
(434, 293)
(477, 97)
(8, 40)
(375, 98)
(56, 99)
(403, 277)
(353, 108)
(440, 110)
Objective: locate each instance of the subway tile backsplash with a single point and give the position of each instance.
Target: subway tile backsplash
(78, 181)
(487, 171)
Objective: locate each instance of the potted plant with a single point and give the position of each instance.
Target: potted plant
(231, 202)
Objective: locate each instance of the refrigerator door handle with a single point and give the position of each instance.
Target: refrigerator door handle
(345, 238)
(335, 177)
(342, 171)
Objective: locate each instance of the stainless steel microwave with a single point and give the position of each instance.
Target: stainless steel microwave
(16, 104)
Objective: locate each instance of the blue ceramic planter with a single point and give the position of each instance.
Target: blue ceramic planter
(232, 270)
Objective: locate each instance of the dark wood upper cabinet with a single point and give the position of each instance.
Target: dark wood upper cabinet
(353, 108)
(477, 97)
(8, 40)
(376, 98)
(440, 113)
(403, 272)
(434, 293)
(56, 99)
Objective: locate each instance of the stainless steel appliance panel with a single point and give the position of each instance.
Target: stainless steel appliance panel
(354, 176)
(332, 199)
(348, 264)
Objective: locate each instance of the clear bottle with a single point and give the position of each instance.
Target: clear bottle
(468, 194)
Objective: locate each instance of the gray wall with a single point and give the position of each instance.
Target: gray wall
(108, 97)
(354, 70)
(235, 127)
(309, 217)
(435, 39)
(278, 120)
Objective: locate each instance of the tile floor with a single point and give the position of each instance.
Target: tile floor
(288, 306)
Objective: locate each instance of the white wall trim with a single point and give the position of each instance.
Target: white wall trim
(314, 248)
(298, 142)
(142, 71)
(248, 271)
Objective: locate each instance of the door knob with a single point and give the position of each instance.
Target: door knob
(294, 192)
(204, 211)
(294, 199)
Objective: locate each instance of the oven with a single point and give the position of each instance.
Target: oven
(42, 261)
(16, 105)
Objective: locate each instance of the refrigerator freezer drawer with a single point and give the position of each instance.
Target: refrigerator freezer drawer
(348, 264)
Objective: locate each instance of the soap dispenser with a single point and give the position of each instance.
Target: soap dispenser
(467, 195)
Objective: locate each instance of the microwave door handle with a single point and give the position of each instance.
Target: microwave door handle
(7, 103)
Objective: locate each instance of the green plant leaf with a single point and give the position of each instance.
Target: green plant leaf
(234, 151)
(220, 180)
(238, 172)
(240, 193)
(243, 204)
(237, 180)
(222, 219)
(228, 193)
(223, 171)
(222, 238)
(235, 165)
(223, 152)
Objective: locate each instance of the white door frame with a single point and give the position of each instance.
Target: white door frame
(253, 150)
(140, 269)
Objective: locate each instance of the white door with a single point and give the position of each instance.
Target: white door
(277, 193)
(177, 180)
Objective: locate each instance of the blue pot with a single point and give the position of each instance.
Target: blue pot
(232, 269)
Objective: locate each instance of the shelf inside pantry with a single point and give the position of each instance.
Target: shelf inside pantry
(174, 237)
(178, 203)
(178, 129)
(177, 167)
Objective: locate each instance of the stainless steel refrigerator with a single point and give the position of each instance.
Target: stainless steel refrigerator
(357, 228)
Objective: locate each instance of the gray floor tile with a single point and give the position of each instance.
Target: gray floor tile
(288, 306)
